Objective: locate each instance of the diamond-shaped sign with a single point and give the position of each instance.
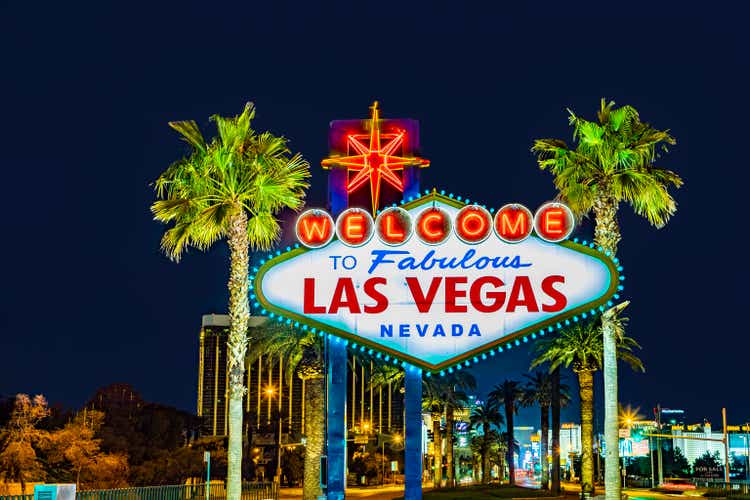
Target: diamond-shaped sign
(437, 305)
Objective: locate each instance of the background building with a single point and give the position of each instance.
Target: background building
(370, 410)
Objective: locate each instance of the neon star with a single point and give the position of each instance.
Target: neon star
(375, 161)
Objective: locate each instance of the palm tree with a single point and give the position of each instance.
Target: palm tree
(612, 162)
(432, 403)
(557, 398)
(509, 395)
(539, 391)
(231, 188)
(507, 447)
(581, 346)
(450, 391)
(302, 352)
(486, 415)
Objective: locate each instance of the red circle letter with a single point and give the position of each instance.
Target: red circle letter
(554, 222)
(354, 227)
(314, 228)
(394, 226)
(473, 224)
(433, 225)
(513, 223)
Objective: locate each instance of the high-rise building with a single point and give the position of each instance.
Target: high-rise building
(370, 410)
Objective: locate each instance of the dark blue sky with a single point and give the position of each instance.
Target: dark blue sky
(87, 299)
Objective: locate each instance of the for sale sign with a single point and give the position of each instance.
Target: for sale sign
(436, 281)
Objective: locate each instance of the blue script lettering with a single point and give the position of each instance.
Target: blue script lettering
(468, 261)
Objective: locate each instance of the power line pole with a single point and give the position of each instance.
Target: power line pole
(726, 445)
(658, 444)
(651, 459)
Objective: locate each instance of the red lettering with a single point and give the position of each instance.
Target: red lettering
(452, 293)
(522, 295)
(560, 300)
(344, 296)
(497, 297)
(422, 301)
(381, 301)
(391, 232)
(309, 298)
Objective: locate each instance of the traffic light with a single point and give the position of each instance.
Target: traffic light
(431, 435)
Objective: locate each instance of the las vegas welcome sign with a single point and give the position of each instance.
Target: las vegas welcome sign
(436, 282)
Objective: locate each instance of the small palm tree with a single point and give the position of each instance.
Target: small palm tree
(581, 347)
(612, 162)
(302, 353)
(486, 415)
(539, 391)
(508, 394)
(231, 187)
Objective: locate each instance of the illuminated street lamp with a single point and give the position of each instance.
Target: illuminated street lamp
(270, 392)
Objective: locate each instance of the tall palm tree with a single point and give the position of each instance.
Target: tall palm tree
(450, 390)
(612, 162)
(508, 394)
(556, 405)
(432, 403)
(230, 187)
(302, 353)
(581, 346)
(539, 391)
(486, 415)
(507, 446)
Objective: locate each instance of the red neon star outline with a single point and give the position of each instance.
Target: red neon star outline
(376, 161)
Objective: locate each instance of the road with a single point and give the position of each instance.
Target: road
(390, 492)
(376, 493)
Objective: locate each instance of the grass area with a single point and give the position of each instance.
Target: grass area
(482, 493)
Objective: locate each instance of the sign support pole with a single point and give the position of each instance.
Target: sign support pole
(413, 431)
(336, 369)
(336, 420)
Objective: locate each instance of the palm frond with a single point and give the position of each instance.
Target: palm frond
(190, 133)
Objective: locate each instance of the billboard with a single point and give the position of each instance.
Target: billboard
(437, 282)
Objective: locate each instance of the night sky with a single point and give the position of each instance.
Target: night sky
(87, 299)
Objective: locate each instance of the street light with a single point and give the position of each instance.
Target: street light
(270, 392)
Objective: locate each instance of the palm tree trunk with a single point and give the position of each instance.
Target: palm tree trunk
(485, 454)
(239, 313)
(556, 431)
(607, 236)
(544, 446)
(437, 446)
(586, 392)
(511, 439)
(450, 473)
(314, 434)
